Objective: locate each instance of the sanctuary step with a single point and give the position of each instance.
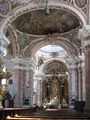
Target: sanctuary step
(52, 114)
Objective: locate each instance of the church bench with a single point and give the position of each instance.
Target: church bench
(18, 118)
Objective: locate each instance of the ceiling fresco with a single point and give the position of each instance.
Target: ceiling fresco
(38, 23)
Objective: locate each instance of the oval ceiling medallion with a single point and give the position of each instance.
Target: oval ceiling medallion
(38, 23)
(5, 7)
(80, 3)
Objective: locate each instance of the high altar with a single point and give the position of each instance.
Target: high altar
(55, 92)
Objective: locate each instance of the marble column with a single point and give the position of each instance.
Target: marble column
(27, 84)
(1, 80)
(19, 82)
(84, 36)
(83, 82)
(16, 94)
(35, 91)
(39, 97)
(88, 12)
(73, 79)
(79, 80)
(31, 83)
(87, 76)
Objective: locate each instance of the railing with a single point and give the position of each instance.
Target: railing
(13, 111)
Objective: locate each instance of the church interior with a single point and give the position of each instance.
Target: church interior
(44, 59)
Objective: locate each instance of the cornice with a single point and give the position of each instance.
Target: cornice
(3, 40)
(27, 63)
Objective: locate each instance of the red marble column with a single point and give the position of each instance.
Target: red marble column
(19, 84)
(87, 76)
(79, 81)
(31, 83)
(39, 97)
(73, 87)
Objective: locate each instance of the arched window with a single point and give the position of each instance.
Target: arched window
(10, 82)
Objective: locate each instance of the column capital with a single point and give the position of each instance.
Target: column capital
(72, 63)
(84, 33)
(84, 36)
(4, 41)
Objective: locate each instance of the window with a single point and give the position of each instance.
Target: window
(10, 82)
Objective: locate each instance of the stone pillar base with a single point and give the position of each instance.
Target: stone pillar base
(87, 112)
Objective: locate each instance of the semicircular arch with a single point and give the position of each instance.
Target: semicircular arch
(60, 41)
(52, 60)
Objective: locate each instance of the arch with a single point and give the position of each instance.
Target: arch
(59, 41)
(14, 42)
(51, 84)
(26, 8)
(51, 60)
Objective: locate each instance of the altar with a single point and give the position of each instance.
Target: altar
(55, 93)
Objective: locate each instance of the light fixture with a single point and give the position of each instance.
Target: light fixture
(47, 11)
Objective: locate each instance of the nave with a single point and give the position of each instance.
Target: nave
(44, 58)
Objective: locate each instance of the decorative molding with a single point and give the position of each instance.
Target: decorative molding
(87, 48)
(13, 2)
(11, 63)
(5, 7)
(84, 33)
(60, 41)
(28, 7)
(84, 36)
(4, 40)
(80, 3)
(72, 63)
(14, 40)
(23, 1)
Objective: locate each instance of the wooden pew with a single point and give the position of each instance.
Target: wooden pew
(18, 118)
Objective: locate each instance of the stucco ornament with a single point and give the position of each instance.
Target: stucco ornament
(23, 1)
(80, 3)
(5, 7)
(13, 2)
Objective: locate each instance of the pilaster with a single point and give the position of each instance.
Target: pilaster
(84, 35)
(39, 97)
(72, 65)
(23, 71)
(88, 12)
(80, 80)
